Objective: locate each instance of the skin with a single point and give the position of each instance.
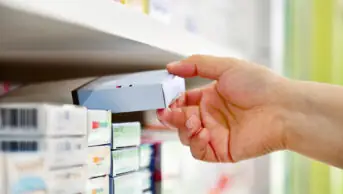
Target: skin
(248, 111)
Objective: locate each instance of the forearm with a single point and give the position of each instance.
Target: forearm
(314, 121)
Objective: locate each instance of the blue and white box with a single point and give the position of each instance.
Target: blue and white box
(132, 92)
(39, 119)
(99, 127)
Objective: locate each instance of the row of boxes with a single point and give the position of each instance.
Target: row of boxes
(48, 145)
(43, 146)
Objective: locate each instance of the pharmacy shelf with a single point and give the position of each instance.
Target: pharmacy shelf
(92, 32)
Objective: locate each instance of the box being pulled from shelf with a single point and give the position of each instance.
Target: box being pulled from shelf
(98, 185)
(127, 183)
(125, 160)
(57, 152)
(130, 92)
(37, 119)
(99, 161)
(126, 134)
(99, 127)
(28, 173)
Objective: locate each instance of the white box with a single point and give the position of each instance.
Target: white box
(146, 177)
(99, 161)
(126, 134)
(99, 185)
(125, 160)
(34, 119)
(58, 152)
(30, 173)
(130, 92)
(128, 183)
(2, 173)
(146, 152)
(99, 127)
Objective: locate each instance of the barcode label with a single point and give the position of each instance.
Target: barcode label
(19, 146)
(18, 118)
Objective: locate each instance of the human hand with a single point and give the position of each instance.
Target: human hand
(236, 117)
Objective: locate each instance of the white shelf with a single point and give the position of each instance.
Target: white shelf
(92, 32)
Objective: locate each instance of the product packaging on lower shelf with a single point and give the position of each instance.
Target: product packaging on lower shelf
(57, 152)
(147, 179)
(98, 185)
(131, 92)
(29, 173)
(99, 127)
(128, 183)
(99, 161)
(148, 192)
(39, 119)
(146, 155)
(125, 160)
(126, 134)
(2, 173)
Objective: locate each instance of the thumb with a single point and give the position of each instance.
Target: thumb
(201, 65)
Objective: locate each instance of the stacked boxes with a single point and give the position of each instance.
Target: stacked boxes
(146, 165)
(2, 174)
(38, 141)
(99, 151)
(125, 157)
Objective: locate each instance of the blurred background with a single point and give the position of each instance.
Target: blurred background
(300, 39)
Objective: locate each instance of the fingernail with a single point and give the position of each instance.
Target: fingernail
(172, 64)
(159, 113)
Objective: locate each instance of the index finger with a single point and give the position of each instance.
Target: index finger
(201, 65)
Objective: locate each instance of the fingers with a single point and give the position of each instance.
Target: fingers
(191, 97)
(179, 118)
(200, 148)
(203, 66)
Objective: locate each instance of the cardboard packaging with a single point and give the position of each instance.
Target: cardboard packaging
(148, 192)
(125, 160)
(126, 134)
(35, 119)
(2, 174)
(139, 5)
(99, 127)
(128, 183)
(98, 185)
(99, 161)
(140, 91)
(57, 152)
(146, 155)
(147, 179)
(30, 173)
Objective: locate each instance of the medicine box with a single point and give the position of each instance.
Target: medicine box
(98, 185)
(28, 173)
(126, 134)
(146, 155)
(99, 127)
(147, 179)
(99, 161)
(128, 183)
(31, 119)
(57, 152)
(140, 91)
(2, 173)
(148, 192)
(125, 160)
